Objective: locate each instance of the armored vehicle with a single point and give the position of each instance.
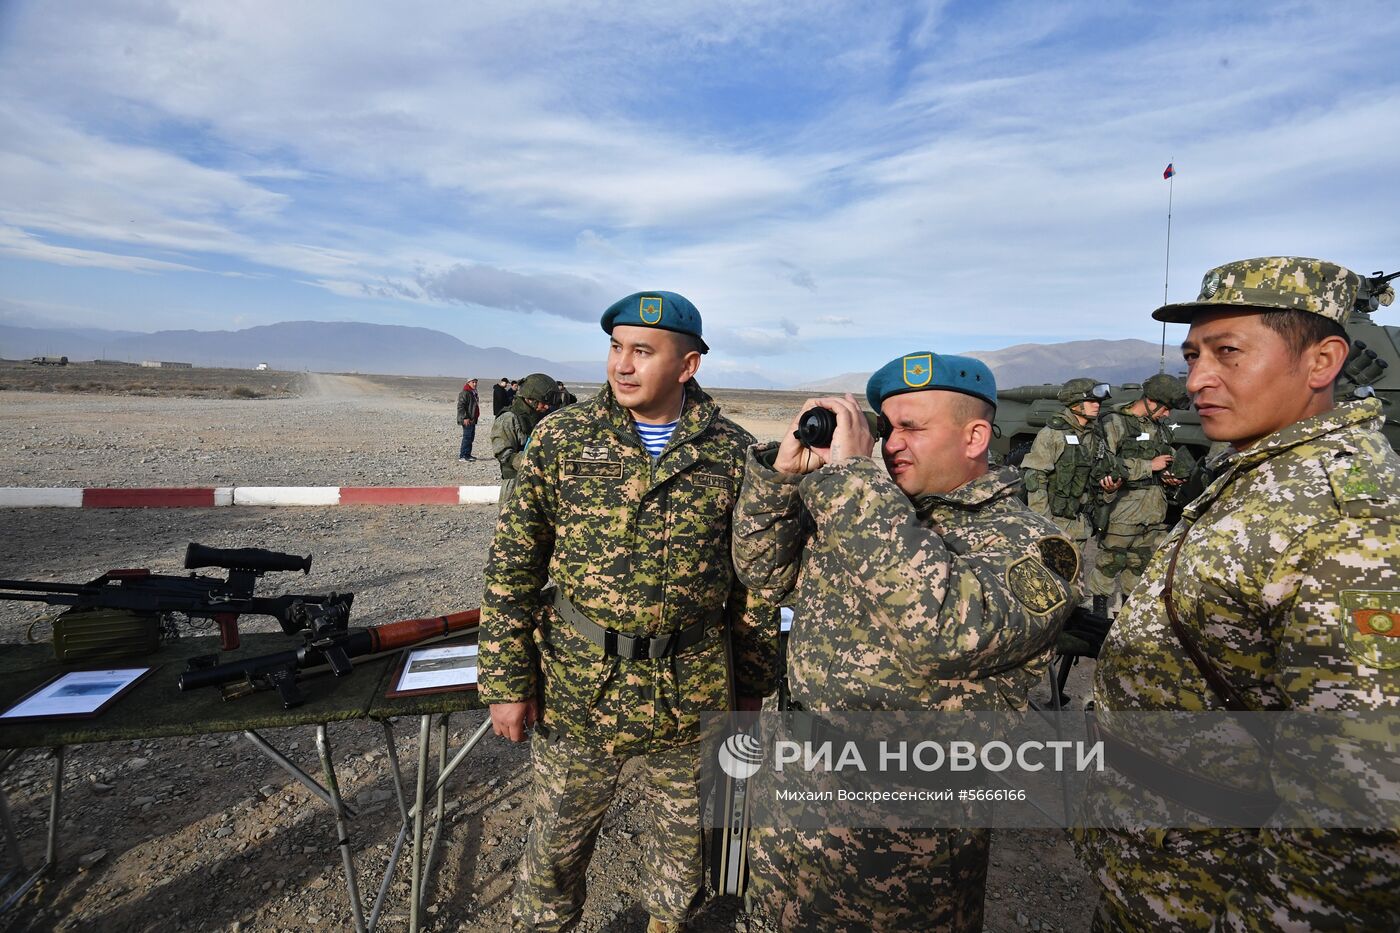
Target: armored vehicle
(1373, 367)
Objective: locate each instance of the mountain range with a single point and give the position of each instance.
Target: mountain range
(1113, 361)
(419, 351)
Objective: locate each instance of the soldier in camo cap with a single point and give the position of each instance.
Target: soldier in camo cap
(1139, 438)
(1278, 590)
(623, 505)
(1069, 468)
(922, 584)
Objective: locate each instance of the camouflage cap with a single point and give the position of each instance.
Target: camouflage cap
(536, 387)
(1167, 390)
(1083, 389)
(664, 310)
(1272, 283)
(924, 371)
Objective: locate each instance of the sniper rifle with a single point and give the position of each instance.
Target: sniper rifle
(153, 596)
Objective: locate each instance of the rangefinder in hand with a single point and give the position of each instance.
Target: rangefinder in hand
(817, 425)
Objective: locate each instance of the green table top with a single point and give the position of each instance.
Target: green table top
(156, 707)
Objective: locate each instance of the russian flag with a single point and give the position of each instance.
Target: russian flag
(1169, 171)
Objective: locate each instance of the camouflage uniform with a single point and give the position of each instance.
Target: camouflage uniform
(510, 433)
(1137, 522)
(897, 607)
(1060, 470)
(641, 547)
(1287, 562)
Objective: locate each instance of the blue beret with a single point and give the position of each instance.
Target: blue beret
(665, 310)
(924, 370)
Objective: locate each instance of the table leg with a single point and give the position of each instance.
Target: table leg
(457, 758)
(342, 831)
(403, 828)
(11, 835)
(416, 876)
(441, 800)
(51, 849)
(306, 780)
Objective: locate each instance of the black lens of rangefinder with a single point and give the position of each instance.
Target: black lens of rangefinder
(815, 427)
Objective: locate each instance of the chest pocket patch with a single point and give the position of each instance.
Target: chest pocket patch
(710, 481)
(606, 469)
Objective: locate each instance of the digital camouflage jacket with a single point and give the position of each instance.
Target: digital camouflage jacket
(953, 602)
(639, 546)
(1136, 441)
(1289, 581)
(1061, 471)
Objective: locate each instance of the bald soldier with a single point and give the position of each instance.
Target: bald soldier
(622, 506)
(924, 584)
(1276, 591)
(1141, 441)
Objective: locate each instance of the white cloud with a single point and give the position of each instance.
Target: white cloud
(990, 172)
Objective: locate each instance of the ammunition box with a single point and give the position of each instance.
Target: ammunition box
(82, 636)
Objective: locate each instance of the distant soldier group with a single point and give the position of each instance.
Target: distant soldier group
(1107, 475)
(638, 566)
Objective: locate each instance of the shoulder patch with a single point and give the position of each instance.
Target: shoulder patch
(1034, 586)
(1373, 627)
(1059, 555)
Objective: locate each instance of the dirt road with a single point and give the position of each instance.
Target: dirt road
(203, 833)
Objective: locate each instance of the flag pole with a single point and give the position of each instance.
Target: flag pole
(1167, 275)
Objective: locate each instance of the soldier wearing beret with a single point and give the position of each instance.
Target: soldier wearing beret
(623, 504)
(1138, 437)
(1068, 468)
(510, 432)
(1278, 590)
(924, 584)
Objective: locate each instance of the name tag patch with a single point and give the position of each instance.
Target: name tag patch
(1144, 436)
(711, 481)
(609, 469)
(1072, 440)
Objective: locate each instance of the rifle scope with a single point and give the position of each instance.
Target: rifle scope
(243, 558)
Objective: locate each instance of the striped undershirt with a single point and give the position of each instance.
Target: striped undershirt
(655, 437)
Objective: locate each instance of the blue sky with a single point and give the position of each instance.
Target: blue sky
(832, 184)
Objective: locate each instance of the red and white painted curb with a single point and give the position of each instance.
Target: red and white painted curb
(210, 496)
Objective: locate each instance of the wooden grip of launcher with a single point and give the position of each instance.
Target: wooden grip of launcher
(406, 632)
(228, 630)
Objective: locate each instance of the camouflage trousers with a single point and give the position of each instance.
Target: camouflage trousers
(572, 790)
(1122, 558)
(1078, 530)
(870, 879)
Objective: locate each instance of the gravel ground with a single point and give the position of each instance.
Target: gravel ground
(204, 833)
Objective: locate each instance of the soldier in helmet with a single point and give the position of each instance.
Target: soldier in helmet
(1069, 467)
(1136, 434)
(511, 431)
(623, 505)
(1278, 590)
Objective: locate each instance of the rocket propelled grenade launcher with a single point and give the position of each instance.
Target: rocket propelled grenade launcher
(328, 643)
(124, 612)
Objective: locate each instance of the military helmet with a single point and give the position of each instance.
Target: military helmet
(536, 387)
(1083, 389)
(1166, 390)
